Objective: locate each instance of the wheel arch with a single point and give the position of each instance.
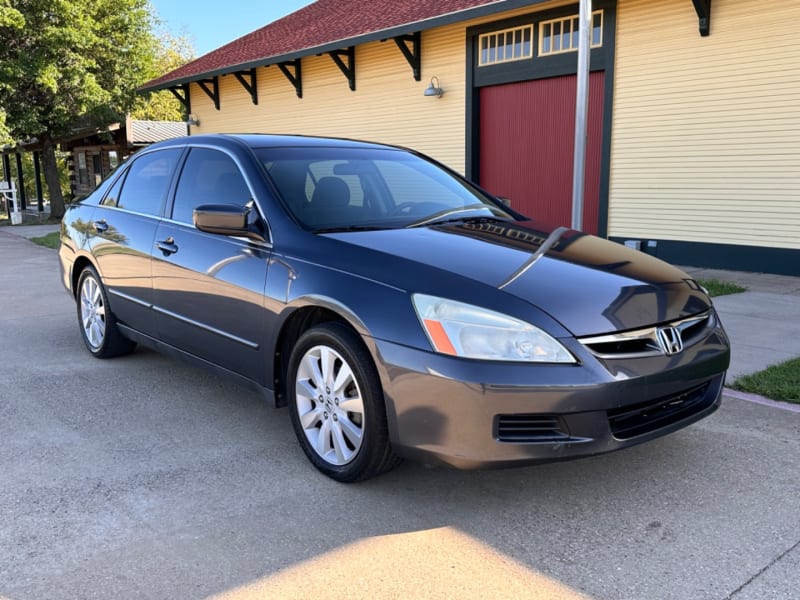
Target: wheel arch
(80, 263)
(300, 317)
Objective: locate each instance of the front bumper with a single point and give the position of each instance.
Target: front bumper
(474, 414)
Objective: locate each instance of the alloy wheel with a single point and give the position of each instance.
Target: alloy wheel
(93, 312)
(330, 405)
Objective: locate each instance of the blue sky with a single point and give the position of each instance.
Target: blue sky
(211, 25)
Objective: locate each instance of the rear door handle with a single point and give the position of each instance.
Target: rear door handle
(100, 226)
(167, 246)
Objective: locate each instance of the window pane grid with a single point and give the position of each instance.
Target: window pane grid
(506, 45)
(562, 35)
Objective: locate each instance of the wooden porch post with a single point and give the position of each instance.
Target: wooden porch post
(37, 174)
(21, 183)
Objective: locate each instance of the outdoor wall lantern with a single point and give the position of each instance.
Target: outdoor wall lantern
(192, 120)
(434, 90)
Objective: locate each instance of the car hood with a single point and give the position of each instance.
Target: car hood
(588, 284)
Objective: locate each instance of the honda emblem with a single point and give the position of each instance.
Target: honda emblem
(669, 339)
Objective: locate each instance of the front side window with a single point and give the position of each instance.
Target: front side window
(208, 177)
(146, 182)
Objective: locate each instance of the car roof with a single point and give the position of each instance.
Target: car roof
(266, 140)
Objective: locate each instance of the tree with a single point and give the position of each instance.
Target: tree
(171, 53)
(5, 136)
(70, 64)
(10, 19)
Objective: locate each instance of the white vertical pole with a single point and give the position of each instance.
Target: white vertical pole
(581, 113)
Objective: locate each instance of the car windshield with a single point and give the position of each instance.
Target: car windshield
(347, 189)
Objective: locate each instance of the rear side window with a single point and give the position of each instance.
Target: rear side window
(208, 177)
(146, 182)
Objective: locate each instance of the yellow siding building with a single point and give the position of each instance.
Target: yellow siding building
(694, 143)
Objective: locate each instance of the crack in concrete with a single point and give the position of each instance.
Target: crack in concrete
(762, 571)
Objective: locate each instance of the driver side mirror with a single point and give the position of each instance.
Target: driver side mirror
(225, 219)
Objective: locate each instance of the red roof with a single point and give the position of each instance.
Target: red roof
(323, 23)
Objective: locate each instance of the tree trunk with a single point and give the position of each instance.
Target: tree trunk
(50, 169)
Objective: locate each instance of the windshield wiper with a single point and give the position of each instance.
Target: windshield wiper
(343, 228)
(447, 217)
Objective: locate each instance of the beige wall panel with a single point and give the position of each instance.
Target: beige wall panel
(705, 133)
(388, 105)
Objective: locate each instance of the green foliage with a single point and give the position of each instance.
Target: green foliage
(10, 20)
(72, 62)
(9, 16)
(171, 53)
(5, 136)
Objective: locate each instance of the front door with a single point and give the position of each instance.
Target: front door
(208, 288)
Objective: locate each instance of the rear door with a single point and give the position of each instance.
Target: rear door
(122, 231)
(209, 289)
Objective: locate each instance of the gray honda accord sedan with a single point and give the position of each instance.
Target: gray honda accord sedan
(397, 309)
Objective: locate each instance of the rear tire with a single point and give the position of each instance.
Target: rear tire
(337, 406)
(97, 323)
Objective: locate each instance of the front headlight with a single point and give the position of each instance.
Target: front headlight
(473, 332)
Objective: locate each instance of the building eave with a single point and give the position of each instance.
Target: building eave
(495, 7)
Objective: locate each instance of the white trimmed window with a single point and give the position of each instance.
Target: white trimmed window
(505, 46)
(561, 35)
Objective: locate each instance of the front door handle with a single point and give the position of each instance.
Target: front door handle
(167, 246)
(100, 226)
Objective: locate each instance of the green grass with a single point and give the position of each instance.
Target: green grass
(779, 382)
(716, 287)
(51, 240)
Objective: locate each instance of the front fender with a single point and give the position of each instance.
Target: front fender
(372, 308)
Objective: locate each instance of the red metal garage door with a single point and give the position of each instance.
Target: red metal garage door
(527, 140)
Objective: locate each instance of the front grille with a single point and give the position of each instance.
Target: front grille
(637, 419)
(693, 330)
(641, 343)
(530, 429)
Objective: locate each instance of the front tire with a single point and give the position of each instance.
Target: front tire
(337, 406)
(97, 323)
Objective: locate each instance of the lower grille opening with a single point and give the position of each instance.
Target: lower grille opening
(530, 428)
(633, 346)
(638, 419)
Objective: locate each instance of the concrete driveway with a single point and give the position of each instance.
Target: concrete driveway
(141, 477)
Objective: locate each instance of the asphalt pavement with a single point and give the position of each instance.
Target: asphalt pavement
(142, 477)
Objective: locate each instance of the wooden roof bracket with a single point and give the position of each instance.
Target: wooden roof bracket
(213, 91)
(296, 78)
(703, 9)
(349, 68)
(250, 86)
(181, 92)
(413, 53)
